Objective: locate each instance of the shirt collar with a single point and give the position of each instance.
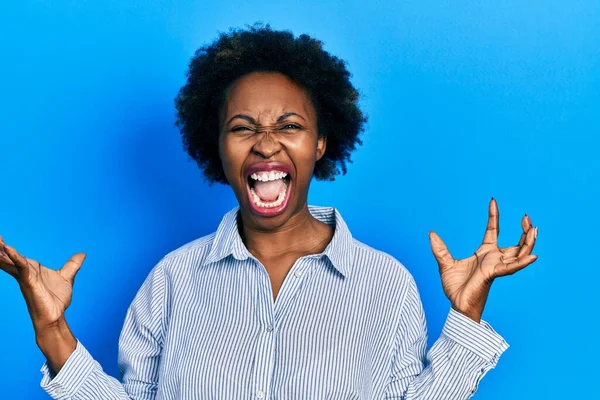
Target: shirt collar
(339, 251)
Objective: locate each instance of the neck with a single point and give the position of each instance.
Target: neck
(302, 234)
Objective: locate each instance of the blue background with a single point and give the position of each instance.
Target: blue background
(466, 100)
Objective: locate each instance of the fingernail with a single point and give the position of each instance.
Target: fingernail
(536, 232)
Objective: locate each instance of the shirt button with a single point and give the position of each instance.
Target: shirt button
(260, 394)
(298, 274)
(59, 391)
(269, 329)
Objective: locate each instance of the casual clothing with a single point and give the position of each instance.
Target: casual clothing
(347, 324)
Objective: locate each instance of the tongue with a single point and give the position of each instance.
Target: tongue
(269, 191)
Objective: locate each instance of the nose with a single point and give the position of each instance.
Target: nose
(267, 145)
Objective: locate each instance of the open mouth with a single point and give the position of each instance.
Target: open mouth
(269, 191)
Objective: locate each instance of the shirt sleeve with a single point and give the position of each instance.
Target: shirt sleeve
(140, 347)
(451, 370)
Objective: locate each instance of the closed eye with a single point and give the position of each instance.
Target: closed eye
(291, 126)
(245, 129)
(240, 128)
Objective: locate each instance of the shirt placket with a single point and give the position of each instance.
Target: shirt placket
(286, 305)
(265, 344)
(291, 287)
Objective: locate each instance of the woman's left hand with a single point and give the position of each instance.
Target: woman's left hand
(467, 282)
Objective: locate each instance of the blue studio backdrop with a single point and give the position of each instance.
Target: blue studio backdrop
(466, 100)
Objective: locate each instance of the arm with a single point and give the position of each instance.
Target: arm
(455, 364)
(140, 346)
(468, 347)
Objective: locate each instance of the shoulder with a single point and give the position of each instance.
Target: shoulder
(378, 260)
(187, 256)
(380, 267)
(195, 247)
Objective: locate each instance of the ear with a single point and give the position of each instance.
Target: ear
(321, 146)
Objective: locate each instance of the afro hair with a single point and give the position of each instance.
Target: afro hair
(214, 67)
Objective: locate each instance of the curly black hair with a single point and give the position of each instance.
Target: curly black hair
(214, 67)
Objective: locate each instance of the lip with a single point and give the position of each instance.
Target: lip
(269, 166)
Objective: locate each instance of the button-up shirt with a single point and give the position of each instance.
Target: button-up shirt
(347, 323)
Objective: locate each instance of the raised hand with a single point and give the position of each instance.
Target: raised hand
(467, 282)
(47, 292)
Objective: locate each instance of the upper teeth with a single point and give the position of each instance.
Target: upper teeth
(268, 176)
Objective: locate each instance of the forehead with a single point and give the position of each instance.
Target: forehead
(266, 92)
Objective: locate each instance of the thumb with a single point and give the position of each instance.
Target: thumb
(440, 250)
(71, 267)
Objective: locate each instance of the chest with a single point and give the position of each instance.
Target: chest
(277, 270)
(318, 336)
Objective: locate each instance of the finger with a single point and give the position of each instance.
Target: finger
(511, 251)
(508, 260)
(527, 247)
(526, 226)
(71, 267)
(493, 226)
(22, 266)
(7, 265)
(512, 267)
(526, 223)
(18, 260)
(2, 252)
(440, 250)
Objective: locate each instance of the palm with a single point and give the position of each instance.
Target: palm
(466, 282)
(54, 292)
(46, 291)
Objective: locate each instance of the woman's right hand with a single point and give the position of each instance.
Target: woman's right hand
(47, 292)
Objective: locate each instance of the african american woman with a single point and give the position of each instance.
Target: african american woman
(281, 302)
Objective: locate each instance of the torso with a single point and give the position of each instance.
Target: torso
(327, 336)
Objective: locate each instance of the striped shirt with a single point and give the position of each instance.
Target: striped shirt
(347, 323)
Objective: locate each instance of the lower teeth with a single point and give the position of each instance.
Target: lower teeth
(262, 204)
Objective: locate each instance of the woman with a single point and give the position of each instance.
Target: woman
(280, 302)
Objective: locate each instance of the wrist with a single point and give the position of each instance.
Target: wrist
(54, 330)
(472, 314)
(472, 305)
(56, 342)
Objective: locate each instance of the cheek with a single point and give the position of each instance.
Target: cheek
(303, 148)
(231, 167)
(303, 153)
(229, 153)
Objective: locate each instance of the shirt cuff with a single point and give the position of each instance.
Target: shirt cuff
(71, 376)
(480, 338)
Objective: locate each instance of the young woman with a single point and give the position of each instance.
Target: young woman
(281, 302)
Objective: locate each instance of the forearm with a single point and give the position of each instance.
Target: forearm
(70, 372)
(462, 355)
(77, 376)
(57, 343)
(82, 378)
(452, 368)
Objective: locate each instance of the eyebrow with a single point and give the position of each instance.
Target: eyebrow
(253, 121)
